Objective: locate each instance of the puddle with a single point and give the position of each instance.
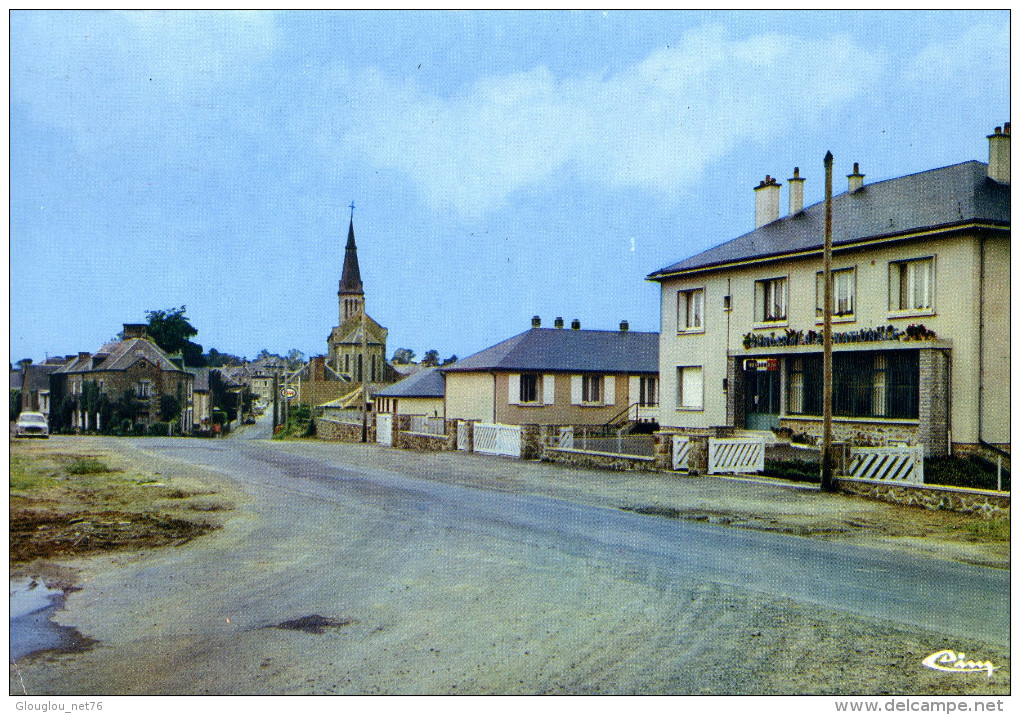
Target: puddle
(32, 631)
(313, 624)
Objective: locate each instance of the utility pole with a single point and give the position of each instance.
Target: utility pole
(364, 375)
(828, 483)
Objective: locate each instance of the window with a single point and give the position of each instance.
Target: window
(911, 285)
(529, 388)
(770, 300)
(864, 384)
(689, 388)
(844, 290)
(690, 309)
(144, 389)
(591, 388)
(347, 363)
(648, 395)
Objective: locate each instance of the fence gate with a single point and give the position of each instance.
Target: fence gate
(498, 439)
(384, 428)
(681, 452)
(887, 464)
(463, 442)
(733, 456)
(565, 440)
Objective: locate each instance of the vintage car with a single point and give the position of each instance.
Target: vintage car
(31, 424)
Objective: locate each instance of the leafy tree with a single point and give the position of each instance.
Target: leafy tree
(431, 359)
(23, 363)
(450, 360)
(263, 353)
(403, 356)
(295, 359)
(15, 404)
(170, 330)
(169, 408)
(214, 358)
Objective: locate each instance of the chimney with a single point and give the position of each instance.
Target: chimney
(86, 360)
(575, 324)
(558, 323)
(536, 322)
(796, 192)
(135, 330)
(998, 155)
(317, 368)
(624, 326)
(766, 202)
(855, 181)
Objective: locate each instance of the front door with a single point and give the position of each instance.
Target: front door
(761, 398)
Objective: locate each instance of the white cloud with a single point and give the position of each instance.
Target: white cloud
(970, 63)
(656, 125)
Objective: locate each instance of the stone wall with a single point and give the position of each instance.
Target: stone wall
(969, 501)
(403, 438)
(327, 429)
(933, 411)
(599, 460)
(860, 434)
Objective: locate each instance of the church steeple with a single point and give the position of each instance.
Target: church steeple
(352, 292)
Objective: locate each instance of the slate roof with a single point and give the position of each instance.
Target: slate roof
(120, 355)
(562, 350)
(201, 378)
(938, 198)
(424, 383)
(17, 378)
(37, 377)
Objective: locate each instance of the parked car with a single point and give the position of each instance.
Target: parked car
(32, 424)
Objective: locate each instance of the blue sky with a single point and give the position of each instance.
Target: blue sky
(503, 165)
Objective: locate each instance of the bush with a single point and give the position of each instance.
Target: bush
(219, 417)
(159, 429)
(87, 465)
(972, 473)
(138, 429)
(793, 469)
(125, 426)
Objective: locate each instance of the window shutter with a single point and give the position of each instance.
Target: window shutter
(514, 392)
(548, 389)
(609, 390)
(575, 389)
(692, 387)
(633, 390)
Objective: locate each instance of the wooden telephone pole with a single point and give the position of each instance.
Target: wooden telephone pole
(828, 483)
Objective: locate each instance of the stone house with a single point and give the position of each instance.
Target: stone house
(920, 304)
(134, 363)
(554, 376)
(35, 385)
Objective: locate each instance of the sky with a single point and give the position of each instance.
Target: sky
(502, 164)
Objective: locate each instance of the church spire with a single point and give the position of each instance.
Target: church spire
(350, 279)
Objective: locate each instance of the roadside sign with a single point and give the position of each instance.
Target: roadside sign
(289, 392)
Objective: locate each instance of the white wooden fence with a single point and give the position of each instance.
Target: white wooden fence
(681, 453)
(384, 428)
(504, 440)
(565, 439)
(735, 455)
(902, 464)
(463, 442)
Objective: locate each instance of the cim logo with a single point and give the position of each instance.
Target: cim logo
(951, 662)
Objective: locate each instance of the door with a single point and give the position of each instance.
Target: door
(761, 394)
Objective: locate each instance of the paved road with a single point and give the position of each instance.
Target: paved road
(571, 597)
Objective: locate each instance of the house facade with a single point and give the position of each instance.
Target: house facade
(558, 377)
(920, 306)
(419, 394)
(135, 365)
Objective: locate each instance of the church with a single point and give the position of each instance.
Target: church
(350, 355)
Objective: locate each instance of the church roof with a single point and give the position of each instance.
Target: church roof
(556, 349)
(350, 279)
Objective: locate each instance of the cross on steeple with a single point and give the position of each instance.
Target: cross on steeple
(352, 210)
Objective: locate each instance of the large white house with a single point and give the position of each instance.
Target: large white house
(920, 307)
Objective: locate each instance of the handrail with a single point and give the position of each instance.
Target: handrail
(618, 415)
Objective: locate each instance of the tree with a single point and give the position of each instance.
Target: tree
(403, 356)
(169, 408)
(170, 330)
(450, 360)
(431, 359)
(214, 358)
(23, 363)
(15, 404)
(295, 359)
